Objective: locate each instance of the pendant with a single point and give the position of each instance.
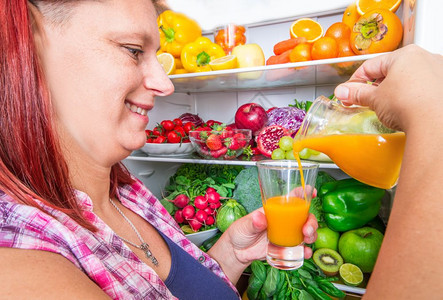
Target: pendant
(148, 253)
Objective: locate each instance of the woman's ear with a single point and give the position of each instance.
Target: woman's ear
(36, 22)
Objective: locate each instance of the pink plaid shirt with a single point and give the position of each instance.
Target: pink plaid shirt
(102, 255)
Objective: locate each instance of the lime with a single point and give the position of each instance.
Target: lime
(285, 143)
(167, 61)
(351, 274)
(187, 229)
(278, 154)
(223, 63)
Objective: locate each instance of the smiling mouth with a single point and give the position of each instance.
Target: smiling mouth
(136, 109)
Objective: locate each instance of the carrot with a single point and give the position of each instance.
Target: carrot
(279, 59)
(286, 45)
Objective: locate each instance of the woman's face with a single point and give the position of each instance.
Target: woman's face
(103, 75)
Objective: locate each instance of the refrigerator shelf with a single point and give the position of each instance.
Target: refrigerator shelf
(314, 72)
(195, 159)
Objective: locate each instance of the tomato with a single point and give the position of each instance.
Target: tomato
(379, 30)
(180, 131)
(168, 125)
(159, 140)
(325, 47)
(177, 122)
(173, 137)
(158, 131)
(188, 126)
(338, 30)
(301, 52)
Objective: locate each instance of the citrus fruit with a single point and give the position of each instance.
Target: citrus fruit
(224, 63)
(180, 71)
(351, 274)
(363, 6)
(325, 47)
(344, 48)
(338, 30)
(307, 28)
(351, 15)
(167, 61)
(301, 52)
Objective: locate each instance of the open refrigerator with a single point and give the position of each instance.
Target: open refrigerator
(218, 94)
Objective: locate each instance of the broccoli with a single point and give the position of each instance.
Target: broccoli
(247, 190)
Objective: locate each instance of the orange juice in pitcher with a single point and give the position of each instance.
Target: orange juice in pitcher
(355, 140)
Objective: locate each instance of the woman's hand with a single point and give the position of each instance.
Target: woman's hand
(245, 241)
(405, 85)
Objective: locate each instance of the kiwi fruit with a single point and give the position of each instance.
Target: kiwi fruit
(328, 260)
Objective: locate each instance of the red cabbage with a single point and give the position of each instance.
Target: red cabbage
(194, 118)
(288, 117)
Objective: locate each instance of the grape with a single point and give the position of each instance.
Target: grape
(289, 155)
(285, 143)
(278, 154)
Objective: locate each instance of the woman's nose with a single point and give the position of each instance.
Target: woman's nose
(155, 79)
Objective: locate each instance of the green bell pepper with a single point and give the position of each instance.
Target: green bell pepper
(349, 204)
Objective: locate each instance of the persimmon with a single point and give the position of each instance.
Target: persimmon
(351, 15)
(379, 30)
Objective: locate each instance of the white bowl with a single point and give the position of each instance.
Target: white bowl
(199, 237)
(168, 149)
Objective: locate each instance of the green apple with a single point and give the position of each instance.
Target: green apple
(327, 238)
(360, 247)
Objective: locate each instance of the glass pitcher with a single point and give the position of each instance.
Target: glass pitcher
(354, 138)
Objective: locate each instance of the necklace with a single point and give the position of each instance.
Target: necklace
(144, 246)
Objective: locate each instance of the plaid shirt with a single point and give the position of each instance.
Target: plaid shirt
(101, 255)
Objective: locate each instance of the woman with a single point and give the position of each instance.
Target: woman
(407, 97)
(78, 79)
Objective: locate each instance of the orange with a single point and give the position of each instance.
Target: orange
(307, 28)
(351, 15)
(301, 52)
(363, 6)
(325, 47)
(339, 30)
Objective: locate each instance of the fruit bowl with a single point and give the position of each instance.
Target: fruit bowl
(199, 237)
(168, 149)
(220, 144)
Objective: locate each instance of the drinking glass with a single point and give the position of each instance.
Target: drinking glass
(355, 139)
(286, 203)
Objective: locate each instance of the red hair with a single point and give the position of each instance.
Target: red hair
(31, 163)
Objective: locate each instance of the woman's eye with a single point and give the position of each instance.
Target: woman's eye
(134, 51)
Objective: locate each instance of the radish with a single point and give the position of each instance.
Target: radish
(181, 200)
(210, 190)
(194, 224)
(213, 197)
(188, 212)
(210, 220)
(215, 205)
(200, 202)
(201, 216)
(209, 210)
(178, 216)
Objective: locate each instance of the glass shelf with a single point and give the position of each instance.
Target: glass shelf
(195, 159)
(315, 72)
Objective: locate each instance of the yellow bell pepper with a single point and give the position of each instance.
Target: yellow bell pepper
(197, 55)
(176, 30)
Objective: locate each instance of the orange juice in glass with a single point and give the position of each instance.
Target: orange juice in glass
(355, 140)
(286, 203)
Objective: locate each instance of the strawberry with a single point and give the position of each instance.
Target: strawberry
(214, 142)
(219, 152)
